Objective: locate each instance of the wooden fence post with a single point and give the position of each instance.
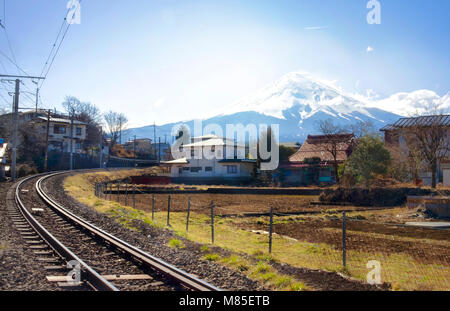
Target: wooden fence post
(110, 191)
(212, 222)
(118, 192)
(126, 194)
(134, 195)
(168, 212)
(270, 230)
(344, 240)
(153, 207)
(188, 214)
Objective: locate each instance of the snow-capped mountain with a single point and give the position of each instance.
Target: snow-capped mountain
(417, 102)
(298, 101)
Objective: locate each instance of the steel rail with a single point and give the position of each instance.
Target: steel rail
(90, 275)
(180, 276)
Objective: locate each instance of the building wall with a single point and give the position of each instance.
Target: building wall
(447, 177)
(218, 169)
(397, 143)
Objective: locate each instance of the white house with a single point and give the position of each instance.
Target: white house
(205, 160)
(59, 133)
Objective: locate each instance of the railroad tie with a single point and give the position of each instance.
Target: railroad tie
(43, 253)
(48, 260)
(38, 247)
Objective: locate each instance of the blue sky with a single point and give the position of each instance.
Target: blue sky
(170, 60)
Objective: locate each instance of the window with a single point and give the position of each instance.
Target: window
(186, 169)
(232, 169)
(196, 169)
(59, 129)
(79, 131)
(208, 169)
(325, 172)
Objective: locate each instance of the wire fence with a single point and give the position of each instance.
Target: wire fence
(406, 258)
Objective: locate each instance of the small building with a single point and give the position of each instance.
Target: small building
(314, 163)
(142, 145)
(219, 168)
(59, 129)
(162, 151)
(396, 138)
(445, 166)
(59, 133)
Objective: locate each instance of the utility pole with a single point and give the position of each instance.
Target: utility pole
(101, 147)
(15, 129)
(46, 142)
(134, 151)
(120, 131)
(71, 141)
(16, 120)
(159, 151)
(154, 137)
(37, 99)
(37, 94)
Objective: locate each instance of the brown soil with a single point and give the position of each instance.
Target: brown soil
(226, 204)
(314, 231)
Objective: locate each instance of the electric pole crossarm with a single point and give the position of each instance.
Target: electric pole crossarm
(22, 77)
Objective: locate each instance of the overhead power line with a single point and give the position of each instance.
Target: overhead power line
(49, 66)
(14, 63)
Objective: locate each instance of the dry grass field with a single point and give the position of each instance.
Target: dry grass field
(410, 258)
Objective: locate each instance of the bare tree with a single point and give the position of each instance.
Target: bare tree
(363, 128)
(428, 141)
(87, 113)
(333, 134)
(116, 123)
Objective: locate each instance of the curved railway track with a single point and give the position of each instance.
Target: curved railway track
(84, 256)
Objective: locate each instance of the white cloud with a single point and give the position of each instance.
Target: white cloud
(412, 103)
(316, 27)
(159, 103)
(369, 49)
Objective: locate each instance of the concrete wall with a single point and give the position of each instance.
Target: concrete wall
(447, 177)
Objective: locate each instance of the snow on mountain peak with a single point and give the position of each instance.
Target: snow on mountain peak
(302, 94)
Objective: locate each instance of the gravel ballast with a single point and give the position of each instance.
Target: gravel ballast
(154, 241)
(19, 270)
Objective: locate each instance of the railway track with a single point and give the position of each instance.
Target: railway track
(80, 256)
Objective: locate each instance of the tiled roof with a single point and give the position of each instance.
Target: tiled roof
(317, 147)
(443, 120)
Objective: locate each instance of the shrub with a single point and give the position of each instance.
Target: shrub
(212, 257)
(175, 243)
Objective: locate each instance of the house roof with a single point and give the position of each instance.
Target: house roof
(237, 161)
(442, 120)
(213, 142)
(316, 146)
(291, 145)
(177, 161)
(60, 120)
